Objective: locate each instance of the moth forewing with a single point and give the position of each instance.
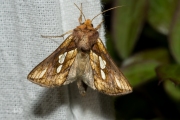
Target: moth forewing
(107, 77)
(53, 71)
(82, 57)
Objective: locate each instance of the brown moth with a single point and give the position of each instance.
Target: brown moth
(82, 57)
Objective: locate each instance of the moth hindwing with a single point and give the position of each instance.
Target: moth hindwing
(82, 57)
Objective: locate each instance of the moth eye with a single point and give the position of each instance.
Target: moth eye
(92, 25)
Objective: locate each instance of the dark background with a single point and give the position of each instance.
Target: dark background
(143, 37)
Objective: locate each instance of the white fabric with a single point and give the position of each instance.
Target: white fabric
(22, 22)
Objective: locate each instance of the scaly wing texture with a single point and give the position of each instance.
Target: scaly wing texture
(107, 77)
(53, 71)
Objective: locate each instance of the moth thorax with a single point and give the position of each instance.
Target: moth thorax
(83, 44)
(85, 40)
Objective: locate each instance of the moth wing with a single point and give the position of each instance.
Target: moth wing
(107, 76)
(55, 69)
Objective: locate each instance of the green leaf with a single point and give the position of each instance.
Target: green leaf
(140, 73)
(160, 14)
(110, 46)
(172, 90)
(127, 24)
(160, 54)
(140, 68)
(174, 37)
(169, 72)
(171, 75)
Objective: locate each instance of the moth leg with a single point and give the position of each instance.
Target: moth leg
(80, 17)
(82, 87)
(99, 25)
(68, 32)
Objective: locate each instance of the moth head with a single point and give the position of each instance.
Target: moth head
(88, 22)
(86, 25)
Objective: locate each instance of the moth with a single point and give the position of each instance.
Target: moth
(82, 57)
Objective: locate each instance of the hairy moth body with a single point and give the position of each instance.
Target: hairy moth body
(82, 57)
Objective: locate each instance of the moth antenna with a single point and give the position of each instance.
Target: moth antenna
(105, 11)
(80, 11)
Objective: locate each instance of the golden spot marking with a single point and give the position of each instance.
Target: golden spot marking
(41, 74)
(103, 75)
(62, 57)
(59, 68)
(102, 63)
(118, 82)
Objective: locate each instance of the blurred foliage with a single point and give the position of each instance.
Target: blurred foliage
(143, 36)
